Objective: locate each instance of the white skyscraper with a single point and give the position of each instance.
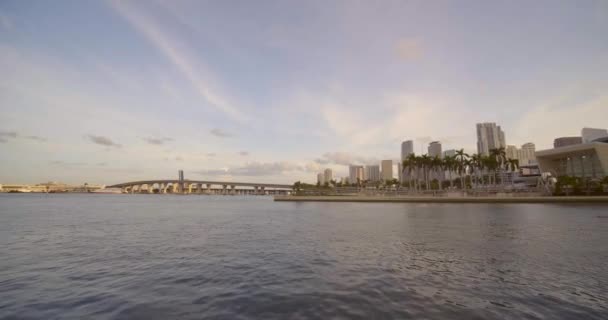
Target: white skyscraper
(434, 149)
(489, 136)
(387, 169)
(328, 175)
(527, 153)
(449, 153)
(407, 148)
(372, 173)
(590, 134)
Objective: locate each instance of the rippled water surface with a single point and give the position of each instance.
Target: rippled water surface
(195, 257)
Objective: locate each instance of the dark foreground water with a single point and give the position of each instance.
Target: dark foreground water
(200, 257)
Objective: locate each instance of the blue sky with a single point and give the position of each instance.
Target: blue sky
(112, 91)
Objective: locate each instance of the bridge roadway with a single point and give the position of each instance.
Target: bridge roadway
(196, 186)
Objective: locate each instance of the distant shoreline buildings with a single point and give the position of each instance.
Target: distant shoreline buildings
(589, 146)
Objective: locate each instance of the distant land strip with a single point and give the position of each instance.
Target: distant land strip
(546, 199)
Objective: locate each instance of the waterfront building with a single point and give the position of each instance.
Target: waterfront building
(566, 141)
(355, 173)
(320, 178)
(590, 134)
(372, 173)
(407, 148)
(328, 175)
(387, 169)
(434, 149)
(588, 160)
(449, 153)
(489, 136)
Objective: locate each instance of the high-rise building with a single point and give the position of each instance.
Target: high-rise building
(407, 148)
(511, 152)
(328, 175)
(387, 169)
(566, 141)
(434, 149)
(372, 173)
(590, 134)
(320, 178)
(489, 136)
(355, 173)
(526, 153)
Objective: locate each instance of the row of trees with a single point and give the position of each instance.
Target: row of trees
(476, 168)
(422, 172)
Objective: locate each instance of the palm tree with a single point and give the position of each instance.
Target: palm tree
(437, 166)
(413, 164)
(461, 156)
(449, 163)
(425, 162)
(500, 157)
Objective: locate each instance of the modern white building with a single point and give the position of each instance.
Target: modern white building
(590, 134)
(320, 178)
(407, 148)
(387, 169)
(372, 173)
(588, 160)
(355, 173)
(328, 175)
(489, 136)
(434, 149)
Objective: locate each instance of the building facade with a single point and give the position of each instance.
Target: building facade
(372, 173)
(387, 169)
(355, 173)
(527, 154)
(590, 134)
(489, 136)
(320, 178)
(566, 141)
(587, 160)
(434, 149)
(328, 175)
(407, 148)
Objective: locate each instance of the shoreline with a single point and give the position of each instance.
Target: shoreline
(423, 199)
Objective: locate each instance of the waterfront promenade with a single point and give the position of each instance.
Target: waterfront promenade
(431, 199)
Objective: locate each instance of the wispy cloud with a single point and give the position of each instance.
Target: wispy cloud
(8, 134)
(66, 163)
(36, 138)
(259, 169)
(178, 56)
(345, 158)
(157, 141)
(102, 141)
(220, 133)
(211, 154)
(244, 153)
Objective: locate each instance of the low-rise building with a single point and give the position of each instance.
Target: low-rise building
(588, 160)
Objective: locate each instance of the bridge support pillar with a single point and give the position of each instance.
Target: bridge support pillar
(232, 191)
(190, 187)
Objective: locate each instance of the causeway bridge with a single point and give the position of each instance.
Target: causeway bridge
(182, 186)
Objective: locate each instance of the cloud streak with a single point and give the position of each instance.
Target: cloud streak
(220, 133)
(157, 141)
(255, 169)
(102, 141)
(179, 58)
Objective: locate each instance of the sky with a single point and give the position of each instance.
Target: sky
(275, 91)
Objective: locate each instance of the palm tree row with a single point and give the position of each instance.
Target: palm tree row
(475, 168)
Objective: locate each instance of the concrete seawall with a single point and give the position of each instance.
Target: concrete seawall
(536, 199)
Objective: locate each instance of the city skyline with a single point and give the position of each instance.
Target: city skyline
(106, 92)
